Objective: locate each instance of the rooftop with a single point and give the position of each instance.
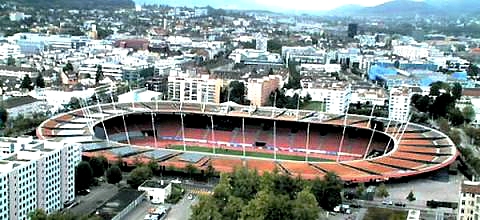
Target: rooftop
(470, 187)
(155, 184)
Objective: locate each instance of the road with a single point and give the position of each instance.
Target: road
(182, 210)
(139, 212)
(97, 196)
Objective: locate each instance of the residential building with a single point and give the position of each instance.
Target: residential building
(259, 89)
(261, 42)
(9, 50)
(255, 57)
(335, 95)
(194, 89)
(36, 175)
(399, 102)
(309, 54)
(468, 206)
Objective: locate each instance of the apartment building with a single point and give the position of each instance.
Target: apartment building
(399, 102)
(194, 89)
(259, 89)
(468, 206)
(36, 174)
(335, 95)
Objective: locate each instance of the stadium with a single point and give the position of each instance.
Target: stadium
(295, 142)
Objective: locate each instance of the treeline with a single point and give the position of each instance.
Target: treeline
(244, 194)
(440, 103)
(21, 124)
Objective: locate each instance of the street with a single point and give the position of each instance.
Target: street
(182, 210)
(97, 196)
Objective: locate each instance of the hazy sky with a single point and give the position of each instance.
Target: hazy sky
(274, 5)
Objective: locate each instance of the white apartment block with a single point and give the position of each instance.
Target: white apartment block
(194, 89)
(469, 204)
(399, 103)
(36, 174)
(336, 95)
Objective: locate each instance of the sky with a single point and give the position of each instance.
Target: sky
(273, 5)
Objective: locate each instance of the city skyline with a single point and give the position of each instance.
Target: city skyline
(278, 5)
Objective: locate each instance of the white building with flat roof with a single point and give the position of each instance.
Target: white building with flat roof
(194, 89)
(36, 174)
(335, 95)
(399, 103)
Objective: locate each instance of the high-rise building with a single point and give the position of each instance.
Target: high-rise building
(399, 102)
(352, 30)
(194, 89)
(468, 206)
(336, 96)
(261, 42)
(36, 175)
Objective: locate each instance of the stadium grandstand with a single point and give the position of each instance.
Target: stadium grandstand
(296, 142)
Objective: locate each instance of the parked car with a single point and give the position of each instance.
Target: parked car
(401, 204)
(83, 192)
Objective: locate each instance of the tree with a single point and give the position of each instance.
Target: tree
(98, 165)
(441, 105)
(83, 176)
(3, 116)
(473, 70)
(191, 169)
(205, 209)
(210, 171)
(360, 190)
(268, 206)
(233, 208)
(68, 68)
(73, 104)
(456, 117)
(305, 206)
(422, 103)
(274, 46)
(435, 88)
(236, 92)
(443, 125)
(382, 191)
(138, 176)
(26, 83)
(39, 214)
(455, 135)
(153, 165)
(11, 61)
(98, 74)
(411, 197)
(468, 113)
(457, 91)
(40, 82)
(114, 174)
(328, 191)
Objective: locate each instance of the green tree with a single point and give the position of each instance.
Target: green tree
(422, 103)
(456, 117)
(435, 88)
(268, 206)
(443, 125)
(114, 174)
(68, 68)
(456, 136)
(210, 171)
(468, 113)
(411, 197)
(38, 214)
(98, 165)
(154, 167)
(381, 191)
(328, 191)
(11, 61)
(98, 74)
(191, 170)
(274, 46)
(3, 116)
(233, 208)
(138, 176)
(26, 83)
(205, 209)
(83, 176)
(236, 92)
(39, 81)
(457, 91)
(360, 190)
(473, 70)
(305, 206)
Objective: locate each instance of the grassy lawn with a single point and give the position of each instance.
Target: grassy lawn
(249, 154)
(315, 106)
(385, 214)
